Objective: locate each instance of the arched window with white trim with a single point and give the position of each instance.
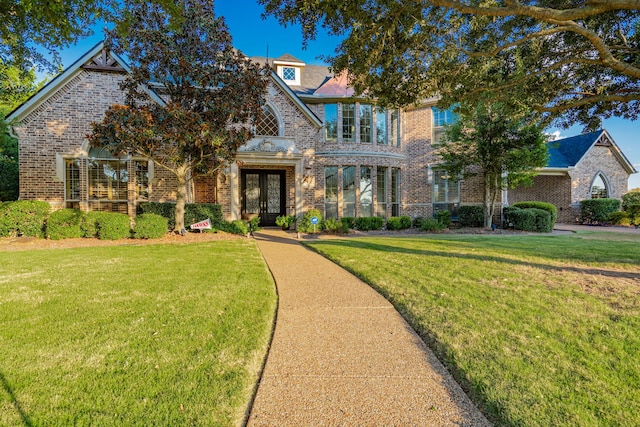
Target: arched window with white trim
(599, 187)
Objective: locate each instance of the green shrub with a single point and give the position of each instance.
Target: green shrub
(113, 226)
(540, 205)
(196, 212)
(305, 226)
(431, 224)
(629, 199)
(634, 213)
(471, 216)
(348, 221)
(619, 218)
(417, 221)
(23, 218)
(193, 212)
(332, 225)
(444, 218)
(89, 225)
(286, 221)
(532, 219)
(595, 211)
(64, 224)
(398, 223)
(368, 223)
(150, 226)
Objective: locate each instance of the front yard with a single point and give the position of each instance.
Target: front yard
(540, 330)
(133, 335)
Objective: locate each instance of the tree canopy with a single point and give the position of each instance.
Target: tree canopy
(572, 61)
(213, 94)
(494, 143)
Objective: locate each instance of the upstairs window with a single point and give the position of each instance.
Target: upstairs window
(331, 122)
(267, 124)
(441, 118)
(288, 73)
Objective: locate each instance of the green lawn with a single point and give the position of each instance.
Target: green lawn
(540, 330)
(133, 335)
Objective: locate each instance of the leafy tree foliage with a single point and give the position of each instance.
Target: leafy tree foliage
(8, 163)
(213, 93)
(491, 142)
(575, 61)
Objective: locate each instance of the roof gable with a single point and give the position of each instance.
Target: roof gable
(96, 59)
(567, 153)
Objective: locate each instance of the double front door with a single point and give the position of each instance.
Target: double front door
(263, 194)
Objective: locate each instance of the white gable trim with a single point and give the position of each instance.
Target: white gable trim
(62, 79)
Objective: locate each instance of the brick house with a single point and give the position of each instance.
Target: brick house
(316, 146)
(580, 167)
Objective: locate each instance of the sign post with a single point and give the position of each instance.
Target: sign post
(314, 221)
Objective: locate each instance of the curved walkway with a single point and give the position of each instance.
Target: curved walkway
(342, 355)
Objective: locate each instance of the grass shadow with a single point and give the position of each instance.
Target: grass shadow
(14, 401)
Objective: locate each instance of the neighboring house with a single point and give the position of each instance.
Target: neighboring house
(316, 146)
(580, 167)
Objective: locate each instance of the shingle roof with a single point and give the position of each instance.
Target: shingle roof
(312, 76)
(567, 152)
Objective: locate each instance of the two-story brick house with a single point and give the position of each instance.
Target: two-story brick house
(317, 146)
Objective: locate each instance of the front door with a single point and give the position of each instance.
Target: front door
(263, 194)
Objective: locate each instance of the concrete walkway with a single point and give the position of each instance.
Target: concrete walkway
(342, 355)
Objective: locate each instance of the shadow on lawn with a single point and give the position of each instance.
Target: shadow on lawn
(618, 274)
(14, 401)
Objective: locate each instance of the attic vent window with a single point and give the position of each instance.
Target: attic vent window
(288, 73)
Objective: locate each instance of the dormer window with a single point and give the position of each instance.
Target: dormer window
(289, 69)
(288, 74)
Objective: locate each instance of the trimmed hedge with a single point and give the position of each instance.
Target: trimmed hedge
(150, 226)
(304, 224)
(531, 219)
(444, 218)
(471, 216)
(193, 212)
(398, 223)
(23, 218)
(348, 221)
(64, 224)
(539, 205)
(596, 211)
(106, 225)
(630, 199)
(332, 225)
(368, 223)
(237, 226)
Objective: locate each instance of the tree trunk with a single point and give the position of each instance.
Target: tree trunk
(488, 206)
(181, 197)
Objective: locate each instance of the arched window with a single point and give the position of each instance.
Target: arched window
(267, 124)
(599, 188)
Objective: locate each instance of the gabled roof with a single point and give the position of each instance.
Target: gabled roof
(566, 153)
(288, 59)
(71, 72)
(296, 100)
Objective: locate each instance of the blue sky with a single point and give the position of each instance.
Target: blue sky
(255, 37)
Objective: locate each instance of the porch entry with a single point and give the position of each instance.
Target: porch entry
(263, 193)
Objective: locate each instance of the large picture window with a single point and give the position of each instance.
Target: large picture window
(348, 122)
(381, 126)
(446, 192)
(366, 191)
(331, 192)
(331, 122)
(381, 191)
(395, 192)
(366, 119)
(349, 191)
(441, 118)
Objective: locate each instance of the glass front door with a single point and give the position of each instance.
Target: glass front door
(263, 194)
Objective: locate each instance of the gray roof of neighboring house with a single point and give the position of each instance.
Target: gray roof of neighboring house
(567, 152)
